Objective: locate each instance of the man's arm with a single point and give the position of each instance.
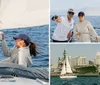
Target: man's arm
(57, 19)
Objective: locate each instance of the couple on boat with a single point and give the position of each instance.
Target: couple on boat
(67, 31)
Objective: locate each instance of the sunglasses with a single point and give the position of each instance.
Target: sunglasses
(81, 15)
(71, 13)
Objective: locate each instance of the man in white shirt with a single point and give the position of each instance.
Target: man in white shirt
(63, 28)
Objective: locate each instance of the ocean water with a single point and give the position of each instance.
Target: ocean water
(95, 21)
(39, 35)
(76, 81)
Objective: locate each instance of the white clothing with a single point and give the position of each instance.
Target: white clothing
(19, 56)
(24, 57)
(86, 30)
(62, 29)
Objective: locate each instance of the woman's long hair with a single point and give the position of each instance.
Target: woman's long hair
(32, 48)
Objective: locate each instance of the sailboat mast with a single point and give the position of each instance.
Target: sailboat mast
(64, 54)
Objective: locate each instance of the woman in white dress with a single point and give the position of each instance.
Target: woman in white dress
(83, 30)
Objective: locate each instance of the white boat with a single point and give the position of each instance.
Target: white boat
(20, 81)
(12, 74)
(66, 70)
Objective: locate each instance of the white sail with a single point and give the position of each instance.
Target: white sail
(68, 67)
(23, 13)
(63, 69)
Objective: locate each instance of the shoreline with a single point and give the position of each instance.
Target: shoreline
(78, 75)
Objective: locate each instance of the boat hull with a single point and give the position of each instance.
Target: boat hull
(68, 77)
(21, 81)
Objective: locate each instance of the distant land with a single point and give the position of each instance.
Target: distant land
(89, 11)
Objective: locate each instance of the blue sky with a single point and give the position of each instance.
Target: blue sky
(88, 50)
(75, 4)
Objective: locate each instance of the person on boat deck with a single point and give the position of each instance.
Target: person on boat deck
(63, 28)
(83, 30)
(22, 52)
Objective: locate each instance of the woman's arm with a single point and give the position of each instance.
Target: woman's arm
(92, 31)
(5, 60)
(77, 34)
(6, 50)
(75, 31)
